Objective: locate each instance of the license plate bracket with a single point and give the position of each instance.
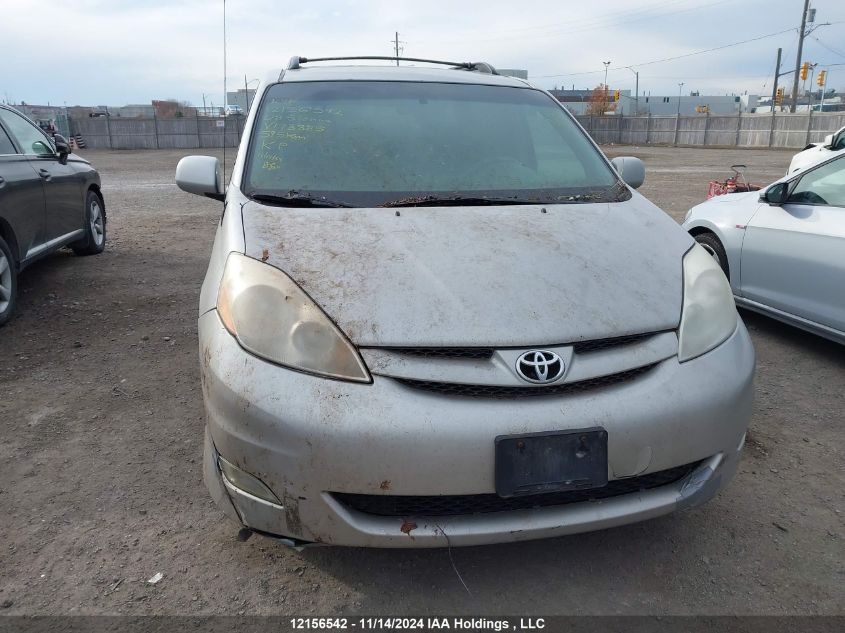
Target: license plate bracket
(552, 461)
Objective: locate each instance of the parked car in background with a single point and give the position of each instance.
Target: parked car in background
(435, 315)
(818, 152)
(783, 248)
(49, 198)
(234, 110)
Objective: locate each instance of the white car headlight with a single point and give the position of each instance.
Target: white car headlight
(272, 317)
(708, 316)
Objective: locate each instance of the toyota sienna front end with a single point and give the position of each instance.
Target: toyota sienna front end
(435, 314)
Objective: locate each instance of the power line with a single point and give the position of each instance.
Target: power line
(832, 50)
(669, 59)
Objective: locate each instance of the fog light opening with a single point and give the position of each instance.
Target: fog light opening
(249, 484)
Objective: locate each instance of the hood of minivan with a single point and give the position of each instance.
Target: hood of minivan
(480, 276)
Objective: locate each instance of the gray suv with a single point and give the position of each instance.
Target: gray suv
(49, 198)
(435, 314)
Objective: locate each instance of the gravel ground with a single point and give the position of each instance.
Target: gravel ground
(100, 455)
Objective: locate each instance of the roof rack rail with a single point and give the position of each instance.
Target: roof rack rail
(296, 62)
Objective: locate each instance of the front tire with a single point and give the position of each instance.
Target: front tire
(8, 282)
(94, 241)
(714, 248)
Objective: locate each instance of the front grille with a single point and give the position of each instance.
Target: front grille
(456, 505)
(581, 347)
(604, 343)
(444, 352)
(496, 391)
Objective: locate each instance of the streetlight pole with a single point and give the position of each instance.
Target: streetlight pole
(680, 87)
(606, 64)
(246, 93)
(636, 91)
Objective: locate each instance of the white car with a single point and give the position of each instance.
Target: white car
(815, 153)
(783, 248)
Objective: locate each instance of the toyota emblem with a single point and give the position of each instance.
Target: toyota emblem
(539, 366)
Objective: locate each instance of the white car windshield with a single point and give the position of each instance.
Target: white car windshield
(369, 143)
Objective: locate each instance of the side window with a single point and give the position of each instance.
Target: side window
(6, 146)
(31, 139)
(822, 185)
(839, 141)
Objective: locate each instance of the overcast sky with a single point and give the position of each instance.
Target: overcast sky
(115, 52)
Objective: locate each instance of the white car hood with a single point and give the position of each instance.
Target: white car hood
(480, 276)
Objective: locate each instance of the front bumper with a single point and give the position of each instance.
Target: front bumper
(307, 437)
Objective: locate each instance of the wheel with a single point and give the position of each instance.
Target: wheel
(714, 247)
(8, 282)
(95, 227)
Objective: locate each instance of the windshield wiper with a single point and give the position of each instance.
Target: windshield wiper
(454, 201)
(297, 199)
(615, 193)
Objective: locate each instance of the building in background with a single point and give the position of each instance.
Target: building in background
(133, 111)
(659, 105)
(241, 97)
(578, 101)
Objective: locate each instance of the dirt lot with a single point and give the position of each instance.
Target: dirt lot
(100, 455)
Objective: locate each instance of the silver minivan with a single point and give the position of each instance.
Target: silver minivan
(435, 314)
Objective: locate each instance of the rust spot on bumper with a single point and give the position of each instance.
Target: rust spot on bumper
(408, 527)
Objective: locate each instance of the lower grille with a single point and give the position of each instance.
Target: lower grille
(456, 505)
(496, 391)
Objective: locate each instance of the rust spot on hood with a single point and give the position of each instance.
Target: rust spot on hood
(408, 527)
(265, 255)
(385, 485)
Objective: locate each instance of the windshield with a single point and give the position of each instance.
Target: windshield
(370, 143)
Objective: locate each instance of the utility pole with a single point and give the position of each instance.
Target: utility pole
(246, 95)
(636, 91)
(801, 35)
(396, 45)
(777, 75)
(680, 87)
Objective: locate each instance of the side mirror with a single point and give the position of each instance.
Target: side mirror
(776, 194)
(828, 140)
(630, 169)
(200, 175)
(62, 147)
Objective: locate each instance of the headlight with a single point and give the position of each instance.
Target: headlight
(273, 318)
(708, 315)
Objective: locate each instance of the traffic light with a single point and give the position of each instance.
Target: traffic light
(779, 96)
(822, 77)
(805, 70)
(616, 96)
